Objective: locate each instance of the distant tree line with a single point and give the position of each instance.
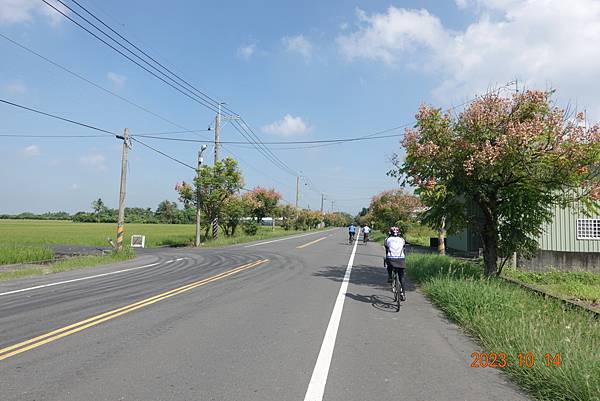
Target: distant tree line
(218, 192)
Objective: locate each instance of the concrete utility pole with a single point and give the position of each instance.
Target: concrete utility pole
(322, 199)
(215, 222)
(217, 134)
(121, 218)
(197, 241)
(332, 206)
(297, 190)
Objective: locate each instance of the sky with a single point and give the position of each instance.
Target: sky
(295, 71)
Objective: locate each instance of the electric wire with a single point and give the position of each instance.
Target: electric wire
(58, 117)
(193, 97)
(192, 87)
(78, 76)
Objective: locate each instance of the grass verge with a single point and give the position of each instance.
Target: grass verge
(77, 262)
(582, 286)
(506, 318)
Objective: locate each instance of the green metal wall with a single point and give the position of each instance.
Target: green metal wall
(458, 241)
(561, 233)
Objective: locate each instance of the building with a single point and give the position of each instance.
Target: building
(570, 241)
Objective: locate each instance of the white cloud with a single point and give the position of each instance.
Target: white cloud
(15, 88)
(31, 151)
(117, 80)
(74, 187)
(246, 52)
(540, 42)
(16, 11)
(96, 161)
(288, 126)
(298, 44)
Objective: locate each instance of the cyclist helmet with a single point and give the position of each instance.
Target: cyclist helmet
(394, 231)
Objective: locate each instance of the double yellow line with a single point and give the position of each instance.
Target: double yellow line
(95, 320)
(310, 243)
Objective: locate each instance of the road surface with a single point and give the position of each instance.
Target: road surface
(298, 318)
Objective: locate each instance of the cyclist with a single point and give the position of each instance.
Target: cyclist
(351, 232)
(366, 230)
(394, 257)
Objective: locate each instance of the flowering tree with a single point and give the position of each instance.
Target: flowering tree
(263, 201)
(392, 208)
(501, 165)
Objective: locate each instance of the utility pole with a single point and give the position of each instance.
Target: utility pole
(197, 241)
(297, 190)
(217, 134)
(121, 218)
(215, 222)
(332, 205)
(322, 199)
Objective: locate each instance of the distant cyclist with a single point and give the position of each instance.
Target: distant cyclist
(351, 232)
(394, 256)
(366, 230)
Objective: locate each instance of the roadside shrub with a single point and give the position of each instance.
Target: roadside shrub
(250, 228)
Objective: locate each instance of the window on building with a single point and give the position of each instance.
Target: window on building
(588, 229)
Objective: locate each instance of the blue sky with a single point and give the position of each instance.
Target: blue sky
(295, 71)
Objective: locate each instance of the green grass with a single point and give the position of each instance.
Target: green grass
(506, 318)
(584, 286)
(77, 262)
(417, 234)
(13, 253)
(44, 232)
(26, 241)
(23, 241)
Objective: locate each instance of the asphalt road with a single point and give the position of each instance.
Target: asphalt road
(300, 318)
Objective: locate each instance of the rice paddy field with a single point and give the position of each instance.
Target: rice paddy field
(24, 241)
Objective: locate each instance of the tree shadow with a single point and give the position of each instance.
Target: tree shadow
(362, 275)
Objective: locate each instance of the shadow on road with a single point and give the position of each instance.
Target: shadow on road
(382, 302)
(362, 275)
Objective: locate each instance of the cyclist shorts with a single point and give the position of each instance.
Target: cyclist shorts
(396, 263)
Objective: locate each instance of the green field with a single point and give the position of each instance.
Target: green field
(46, 232)
(28, 240)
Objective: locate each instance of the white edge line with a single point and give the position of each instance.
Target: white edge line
(316, 386)
(286, 238)
(77, 279)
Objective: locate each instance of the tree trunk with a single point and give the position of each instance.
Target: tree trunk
(441, 237)
(489, 238)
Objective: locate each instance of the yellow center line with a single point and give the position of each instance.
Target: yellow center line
(310, 243)
(95, 320)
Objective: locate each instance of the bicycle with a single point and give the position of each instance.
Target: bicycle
(351, 238)
(397, 289)
(365, 238)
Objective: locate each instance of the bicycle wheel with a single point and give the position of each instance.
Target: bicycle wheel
(397, 296)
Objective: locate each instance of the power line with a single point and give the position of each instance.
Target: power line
(318, 141)
(78, 76)
(57, 117)
(204, 95)
(193, 97)
(50, 136)
(163, 153)
(198, 98)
